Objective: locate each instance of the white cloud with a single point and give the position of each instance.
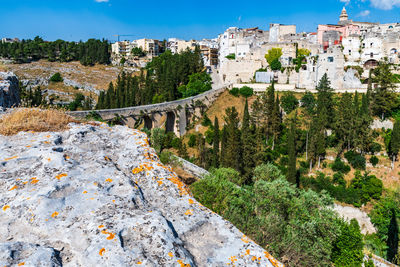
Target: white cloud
(385, 4)
(380, 4)
(101, 1)
(364, 13)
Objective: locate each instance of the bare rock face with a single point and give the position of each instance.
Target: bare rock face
(9, 90)
(99, 196)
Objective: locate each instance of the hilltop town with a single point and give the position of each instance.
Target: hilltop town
(341, 50)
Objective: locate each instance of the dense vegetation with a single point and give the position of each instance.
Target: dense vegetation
(296, 225)
(166, 78)
(244, 153)
(88, 53)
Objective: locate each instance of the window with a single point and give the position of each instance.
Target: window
(330, 59)
(372, 44)
(371, 55)
(350, 52)
(363, 45)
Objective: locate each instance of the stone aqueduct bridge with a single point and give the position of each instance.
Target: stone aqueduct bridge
(174, 116)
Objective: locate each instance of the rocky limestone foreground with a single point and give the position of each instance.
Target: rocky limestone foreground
(9, 90)
(98, 196)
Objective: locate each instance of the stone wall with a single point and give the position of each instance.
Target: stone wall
(9, 90)
(191, 168)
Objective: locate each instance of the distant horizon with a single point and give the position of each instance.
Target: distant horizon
(85, 19)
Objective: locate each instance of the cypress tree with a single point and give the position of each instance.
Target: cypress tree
(215, 160)
(109, 96)
(324, 99)
(384, 97)
(270, 109)
(291, 146)
(394, 145)
(233, 157)
(276, 119)
(224, 141)
(248, 145)
(393, 239)
(202, 151)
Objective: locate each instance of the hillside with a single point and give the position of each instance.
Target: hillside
(86, 80)
(96, 196)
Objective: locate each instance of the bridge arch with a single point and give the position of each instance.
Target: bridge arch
(170, 122)
(148, 122)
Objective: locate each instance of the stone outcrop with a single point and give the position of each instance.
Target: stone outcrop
(98, 196)
(9, 90)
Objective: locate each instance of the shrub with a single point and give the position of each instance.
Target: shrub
(374, 160)
(368, 185)
(308, 101)
(356, 160)
(267, 172)
(209, 134)
(246, 91)
(375, 148)
(340, 166)
(261, 211)
(359, 162)
(166, 157)
(276, 64)
(228, 174)
(338, 179)
(289, 102)
(234, 91)
(206, 122)
(168, 139)
(231, 56)
(157, 139)
(348, 246)
(192, 140)
(176, 143)
(56, 78)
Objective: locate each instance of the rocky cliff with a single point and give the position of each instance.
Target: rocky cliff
(98, 196)
(9, 90)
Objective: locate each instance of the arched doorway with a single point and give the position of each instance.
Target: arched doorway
(371, 63)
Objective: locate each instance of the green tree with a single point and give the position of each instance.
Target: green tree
(348, 246)
(56, 78)
(273, 55)
(393, 239)
(233, 150)
(394, 145)
(216, 140)
(248, 145)
(308, 101)
(291, 147)
(384, 98)
(289, 102)
(246, 91)
(267, 172)
(157, 139)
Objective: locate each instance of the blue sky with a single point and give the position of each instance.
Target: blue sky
(83, 19)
